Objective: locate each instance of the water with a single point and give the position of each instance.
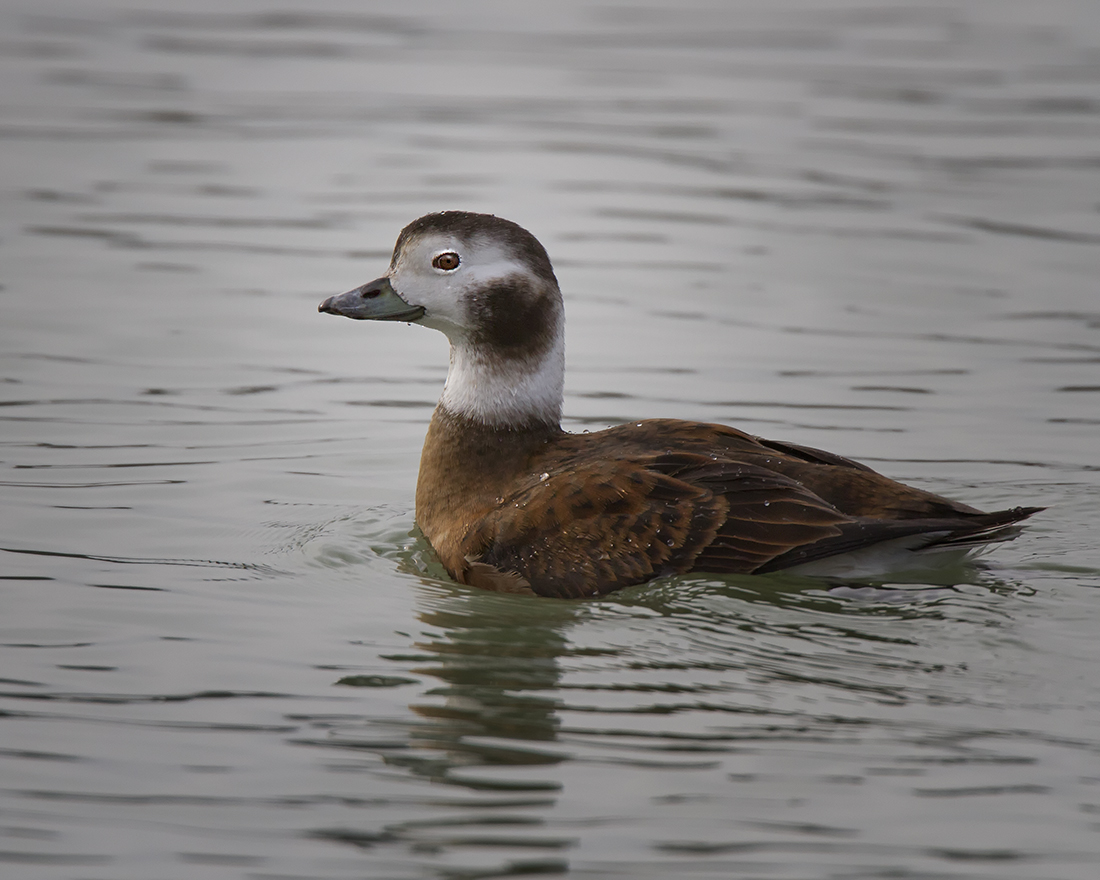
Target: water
(225, 653)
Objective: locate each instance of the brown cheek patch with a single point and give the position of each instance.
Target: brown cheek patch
(514, 320)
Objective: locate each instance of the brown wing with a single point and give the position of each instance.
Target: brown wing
(851, 487)
(603, 525)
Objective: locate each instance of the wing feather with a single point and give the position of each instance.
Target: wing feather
(603, 525)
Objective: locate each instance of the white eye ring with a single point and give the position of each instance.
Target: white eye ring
(447, 261)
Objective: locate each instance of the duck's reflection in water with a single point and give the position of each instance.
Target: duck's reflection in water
(497, 660)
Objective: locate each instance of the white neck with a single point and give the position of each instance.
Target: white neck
(505, 392)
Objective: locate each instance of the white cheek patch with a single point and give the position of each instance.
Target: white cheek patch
(485, 272)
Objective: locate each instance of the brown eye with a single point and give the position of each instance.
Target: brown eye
(446, 261)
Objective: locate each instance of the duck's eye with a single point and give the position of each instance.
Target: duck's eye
(447, 261)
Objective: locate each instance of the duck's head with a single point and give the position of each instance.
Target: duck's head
(487, 284)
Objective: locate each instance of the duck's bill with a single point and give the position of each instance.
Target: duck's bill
(376, 301)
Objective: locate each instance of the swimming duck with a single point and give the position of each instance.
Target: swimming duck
(509, 501)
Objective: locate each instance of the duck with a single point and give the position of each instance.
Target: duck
(509, 501)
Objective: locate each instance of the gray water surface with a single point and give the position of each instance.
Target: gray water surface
(226, 653)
